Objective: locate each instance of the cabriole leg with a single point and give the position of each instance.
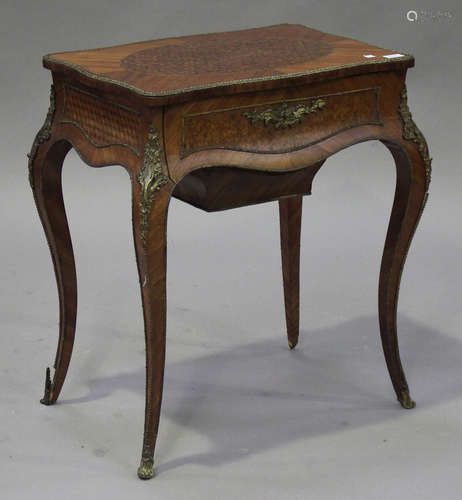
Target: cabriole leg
(45, 166)
(151, 196)
(413, 168)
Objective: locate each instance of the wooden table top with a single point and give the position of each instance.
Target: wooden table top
(228, 62)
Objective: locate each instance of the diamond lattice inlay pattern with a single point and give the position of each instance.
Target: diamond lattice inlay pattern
(104, 123)
(225, 54)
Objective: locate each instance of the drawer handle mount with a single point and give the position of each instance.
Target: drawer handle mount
(283, 115)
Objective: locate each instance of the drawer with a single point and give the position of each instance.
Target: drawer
(279, 126)
(222, 188)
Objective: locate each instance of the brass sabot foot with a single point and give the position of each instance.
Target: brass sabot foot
(405, 400)
(46, 400)
(146, 468)
(292, 344)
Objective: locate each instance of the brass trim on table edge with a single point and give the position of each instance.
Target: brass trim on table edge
(43, 134)
(151, 178)
(144, 93)
(412, 133)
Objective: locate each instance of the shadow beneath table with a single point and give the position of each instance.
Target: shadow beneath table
(261, 395)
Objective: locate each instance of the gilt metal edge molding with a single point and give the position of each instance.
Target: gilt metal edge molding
(412, 133)
(43, 134)
(151, 178)
(48, 59)
(284, 116)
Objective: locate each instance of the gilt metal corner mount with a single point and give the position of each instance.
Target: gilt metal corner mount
(43, 134)
(151, 178)
(412, 133)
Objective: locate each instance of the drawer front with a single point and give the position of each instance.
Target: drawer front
(279, 126)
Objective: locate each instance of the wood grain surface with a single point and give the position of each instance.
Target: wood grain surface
(268, 57)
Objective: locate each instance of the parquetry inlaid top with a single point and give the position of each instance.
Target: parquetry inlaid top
(250, 59)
